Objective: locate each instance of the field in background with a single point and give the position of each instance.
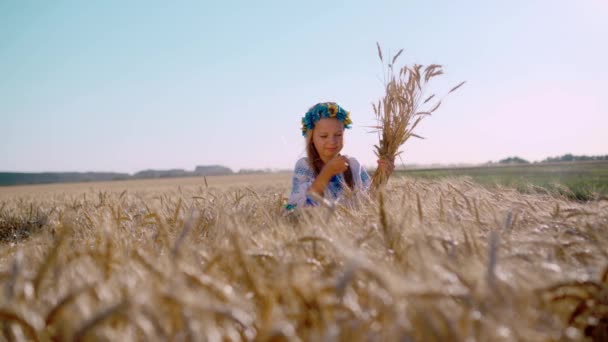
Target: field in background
(147, 185)
(576, 180)
(184, 259)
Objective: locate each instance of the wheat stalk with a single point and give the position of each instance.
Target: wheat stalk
(402, 108)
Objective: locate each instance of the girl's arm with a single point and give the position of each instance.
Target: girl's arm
(303, 177)
(338, 164)
(320, 183)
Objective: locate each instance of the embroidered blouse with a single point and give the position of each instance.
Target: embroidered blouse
(303, 177)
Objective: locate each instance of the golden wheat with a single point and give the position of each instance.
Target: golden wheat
(399, 110)
(425, 261)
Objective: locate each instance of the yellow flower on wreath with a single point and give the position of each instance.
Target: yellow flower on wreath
(332, 109)
(347, 121)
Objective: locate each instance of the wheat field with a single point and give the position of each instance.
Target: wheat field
(218, 259)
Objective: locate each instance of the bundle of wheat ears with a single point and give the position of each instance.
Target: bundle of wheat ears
(402, 107)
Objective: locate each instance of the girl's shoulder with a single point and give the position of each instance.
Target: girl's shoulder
(302, 167)
(302, 163)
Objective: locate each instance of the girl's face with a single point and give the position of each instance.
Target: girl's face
(327, 137)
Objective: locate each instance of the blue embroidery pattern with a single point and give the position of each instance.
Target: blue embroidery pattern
(303, 177)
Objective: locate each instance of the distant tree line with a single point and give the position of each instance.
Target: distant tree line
(17, 178)
(513, 160)
(564, 158)
(570, 157)
(210, 170)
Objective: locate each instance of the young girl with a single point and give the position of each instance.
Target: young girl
(325, 171)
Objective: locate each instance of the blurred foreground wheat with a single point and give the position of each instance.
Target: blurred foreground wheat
(425, 261)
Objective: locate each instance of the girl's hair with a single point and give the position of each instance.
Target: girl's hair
(316, 163)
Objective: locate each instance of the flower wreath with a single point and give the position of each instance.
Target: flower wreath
(324, 110)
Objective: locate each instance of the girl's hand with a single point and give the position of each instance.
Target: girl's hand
(336, 165)
(385, 166)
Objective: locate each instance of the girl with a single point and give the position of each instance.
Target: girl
(325, 171)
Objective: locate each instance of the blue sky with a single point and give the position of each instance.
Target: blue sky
(131, 85)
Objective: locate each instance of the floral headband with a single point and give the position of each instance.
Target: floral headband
(324, 110)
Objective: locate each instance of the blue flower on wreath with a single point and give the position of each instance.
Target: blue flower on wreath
(325, 110)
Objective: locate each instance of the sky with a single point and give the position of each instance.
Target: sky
(131, 85)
